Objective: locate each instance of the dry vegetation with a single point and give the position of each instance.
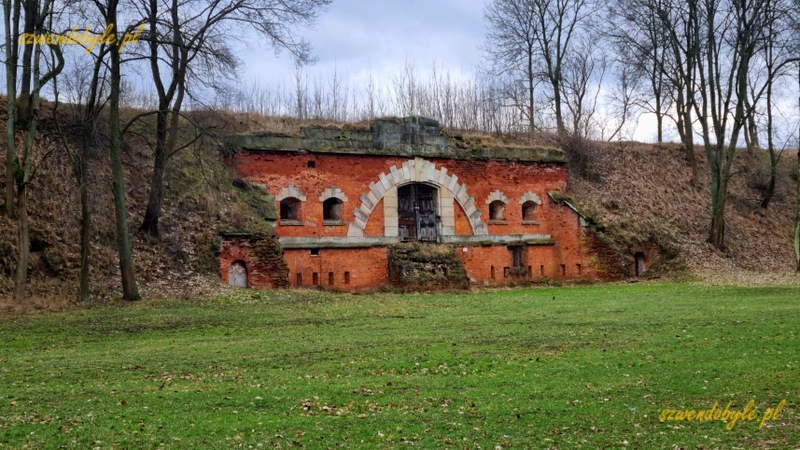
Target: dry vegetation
(200, 201)
(644, 193)
(639, 192)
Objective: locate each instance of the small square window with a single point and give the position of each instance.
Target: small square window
(311, 164)
(314, 252)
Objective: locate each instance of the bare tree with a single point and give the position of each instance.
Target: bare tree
(89, 103)
(189, 40)
(512, 47)
(583, 70)
(640, 44)
(661, 37)
(730, 35)
(777, 55)
(558, 22)
(21, 160)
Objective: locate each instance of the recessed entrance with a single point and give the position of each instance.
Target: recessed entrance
(639, 264)
(417, 212)
(237, 274)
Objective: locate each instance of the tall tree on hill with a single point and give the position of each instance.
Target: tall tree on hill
(558, 22)
(533, 38)
(778, 52)
(512, 48)
(130, 290)
(640, 42)
(797, 197)
(190, 46)
(21, 160)
(664, 37)
(89, 103)
(730, 34)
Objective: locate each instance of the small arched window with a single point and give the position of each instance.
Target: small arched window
(290, 210)
(332, 210)
(497, 211)
(529, 211)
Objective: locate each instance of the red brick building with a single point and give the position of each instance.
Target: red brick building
(346, 197)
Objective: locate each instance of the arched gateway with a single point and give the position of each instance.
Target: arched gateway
(417, 171)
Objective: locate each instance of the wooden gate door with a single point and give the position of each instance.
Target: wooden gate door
(416, 213)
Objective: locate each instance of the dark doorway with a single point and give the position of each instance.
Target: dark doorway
(639, 264)
(417, 213)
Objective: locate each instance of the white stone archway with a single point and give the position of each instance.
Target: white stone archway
(417, 170)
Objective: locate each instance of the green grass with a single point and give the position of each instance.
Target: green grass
(552, 367)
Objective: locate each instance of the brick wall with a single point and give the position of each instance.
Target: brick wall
(347, 269)
(570, 257)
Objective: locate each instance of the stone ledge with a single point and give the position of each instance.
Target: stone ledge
(333, 223)
(384, 241)
(407, 137)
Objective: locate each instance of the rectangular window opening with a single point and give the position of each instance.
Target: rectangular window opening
(330, 278)
(563, 270)
(493, 272)
(579, 268)
(299, 280)
(314, 252)
(315, 279)
(347, 278)
(541, 270)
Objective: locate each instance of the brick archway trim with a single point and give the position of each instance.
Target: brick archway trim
(420, 171)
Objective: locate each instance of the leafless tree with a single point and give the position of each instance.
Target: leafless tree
(25, 114)
(730, 34)
(513, 48)
(189, 46)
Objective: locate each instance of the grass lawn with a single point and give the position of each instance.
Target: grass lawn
(550, 367)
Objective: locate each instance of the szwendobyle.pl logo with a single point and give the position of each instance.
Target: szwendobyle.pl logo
(87, 38)
(731, 416)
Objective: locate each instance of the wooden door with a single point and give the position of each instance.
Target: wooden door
(417, 213)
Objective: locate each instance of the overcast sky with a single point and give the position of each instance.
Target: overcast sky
(361, 36)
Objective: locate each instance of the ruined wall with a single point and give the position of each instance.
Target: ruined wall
(262, 257)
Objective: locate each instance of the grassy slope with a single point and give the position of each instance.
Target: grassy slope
(559, 367)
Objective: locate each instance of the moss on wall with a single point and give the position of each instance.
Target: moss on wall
(417, 266)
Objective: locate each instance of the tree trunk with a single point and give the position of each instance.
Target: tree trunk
(11, 148)
(31, 8)
(773, 157)
(557, 101)
(688, 145)
(659, 120)
(23, 244)
(719, 197)
(153, 210)
(531, 120)
(11, 98)
(127, 271)
(86, 236)
(797, 200)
